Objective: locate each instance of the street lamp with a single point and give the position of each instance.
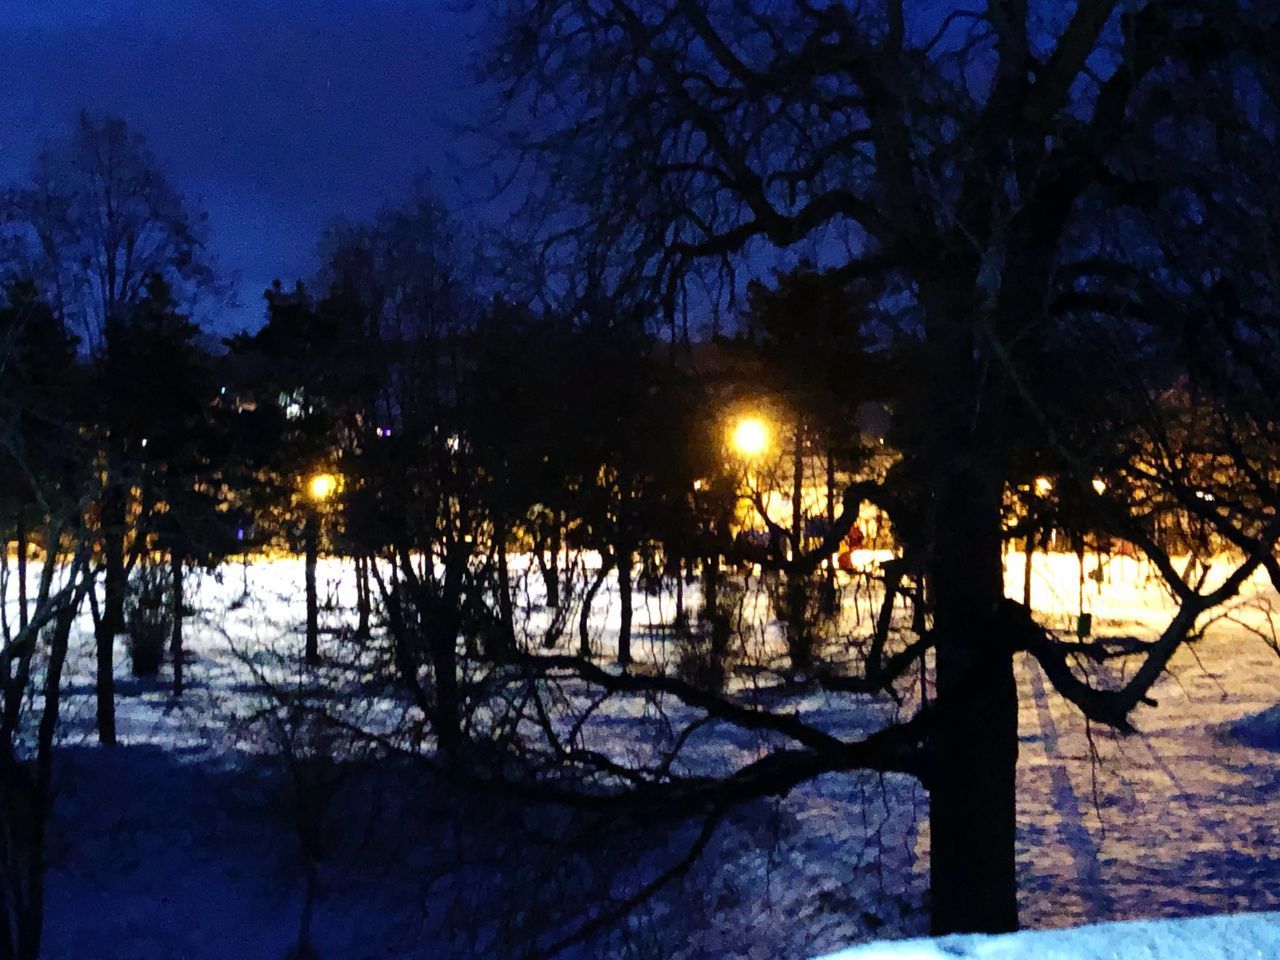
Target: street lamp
(749, 437)
(319, 488)
(322, 486)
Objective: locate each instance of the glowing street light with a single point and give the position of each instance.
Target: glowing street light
(322, 486)
(750, 437)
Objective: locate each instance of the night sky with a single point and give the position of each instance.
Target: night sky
(275, 116)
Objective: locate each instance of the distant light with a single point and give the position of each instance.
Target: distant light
(750, 437)
(1099, 485)
(144, 441)
(322, 486)
(698, 484)
(1044, 486)
(1206, 496)
(453, 442)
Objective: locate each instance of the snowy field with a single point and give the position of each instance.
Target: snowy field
(190, 841)
(1204, 938)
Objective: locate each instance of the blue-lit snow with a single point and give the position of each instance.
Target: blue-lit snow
(178, 845)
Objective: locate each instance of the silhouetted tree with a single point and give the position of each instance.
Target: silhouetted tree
(1005, 174)
(98, 221)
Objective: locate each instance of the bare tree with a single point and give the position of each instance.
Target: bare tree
(1003, 173)
(97, 224)
(100, 219)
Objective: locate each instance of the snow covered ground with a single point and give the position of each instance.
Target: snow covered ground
(1175, 820)
(1202, 938)
(188, 842)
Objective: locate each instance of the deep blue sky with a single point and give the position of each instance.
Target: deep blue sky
(275, 115)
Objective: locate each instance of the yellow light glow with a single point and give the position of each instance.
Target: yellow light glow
(1044, 486)
(1099, 485)
(750, 437)
(322, 486)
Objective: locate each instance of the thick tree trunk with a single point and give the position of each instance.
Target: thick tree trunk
(175, 636)
(312, 534)
(975, 747)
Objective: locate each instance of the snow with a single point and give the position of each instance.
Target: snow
(185, 843)
(1201, 938)
(1260, 729)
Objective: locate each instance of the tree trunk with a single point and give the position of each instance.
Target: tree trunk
(894, 571)
(710, 589)
(312, 534)
(584, 615)
(799, 640)
(104, 648)
(625, 560)
(363, 603)
(551, 572)
(975, 746)
(1029, 546)
(29, 940)
(711, 614)
(175, 637)
(113, 529)
(797, 492)
(829, 566)
(23, 544)
(506, 612)
(112, 620)
(681, 616)
(442, 637)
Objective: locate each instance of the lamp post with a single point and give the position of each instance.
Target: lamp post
(320, 487)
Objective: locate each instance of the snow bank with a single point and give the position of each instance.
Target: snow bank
(1260, 730)
(1202, 938)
